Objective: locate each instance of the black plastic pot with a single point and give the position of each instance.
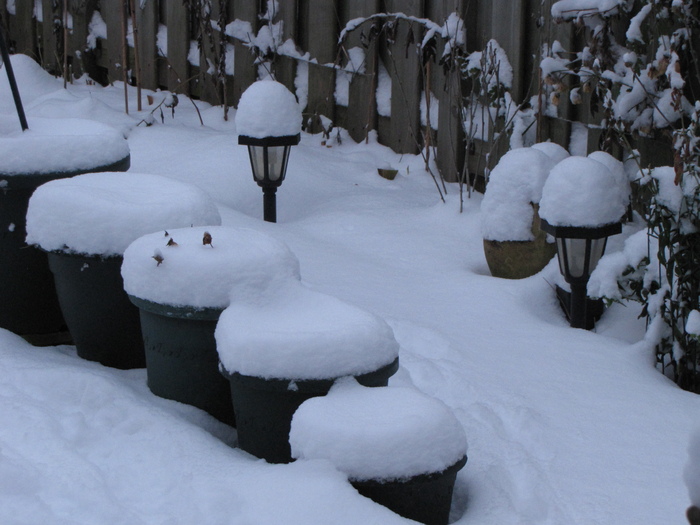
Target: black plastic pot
(426, 498)
(181, 358)
(264, 408)
(104, 324)
(29, 306)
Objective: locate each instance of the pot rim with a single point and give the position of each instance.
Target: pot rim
(418, 478)
(195, 313)
(309, 385)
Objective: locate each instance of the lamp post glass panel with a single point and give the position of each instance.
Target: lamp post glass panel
(268, 159)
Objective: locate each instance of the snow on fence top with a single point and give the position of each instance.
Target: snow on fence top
(58, 146)
(568, 9)
(291, 332)
(199, 267)
(101, 213)
(268, 109)
(378, 433)
(583, 192)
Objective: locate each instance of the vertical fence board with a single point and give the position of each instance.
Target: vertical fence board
(147, 27)
(52, 36)
(244, 59)
(323, 23)
(284, 66)
(446, 86)
(406, 79)
(112, 15)
(508, 28)
(362, 100)
(177, 20)
(82, 60)
(23, 29)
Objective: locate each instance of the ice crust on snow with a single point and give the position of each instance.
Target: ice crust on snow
(581, 191)
(268, 109)
(380, 433)
(102, 213)
(288, 331)
(58, 145)
(515, 183)
(202, 275)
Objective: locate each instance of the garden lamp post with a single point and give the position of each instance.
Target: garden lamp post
(581, 206)
(268, 160)
(268, 121)
(579, 249)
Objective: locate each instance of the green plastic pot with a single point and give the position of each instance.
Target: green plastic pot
(29, 305)
(264, 408)
(103, 322)
(426, 498)
(181, 358)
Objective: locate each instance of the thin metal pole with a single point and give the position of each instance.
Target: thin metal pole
(270, 204)
(578, 306)
(11, 79)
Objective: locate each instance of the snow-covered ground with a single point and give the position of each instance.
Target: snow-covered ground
(564, 426)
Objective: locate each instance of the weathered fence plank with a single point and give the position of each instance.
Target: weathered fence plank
(445, 83)
(177, 21)
(147, 27)
(404, 65)
(362, 99)
(81, 59)
(52, 36)
(323, 17)
(285, 67)
(23, 30)
(112, 13)
(244, 59)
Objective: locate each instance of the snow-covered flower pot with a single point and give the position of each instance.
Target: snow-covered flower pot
(181, 283)
(514, 245)
(85, 223)
(50, 149)
(397, 446)
(284, 345)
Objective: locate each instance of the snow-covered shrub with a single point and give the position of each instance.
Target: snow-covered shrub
(645, 82)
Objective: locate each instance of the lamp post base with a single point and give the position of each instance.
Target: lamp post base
(593, 310)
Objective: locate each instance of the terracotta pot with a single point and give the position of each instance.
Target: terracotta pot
(520, 259)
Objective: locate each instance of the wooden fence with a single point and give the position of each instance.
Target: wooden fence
(164, 43)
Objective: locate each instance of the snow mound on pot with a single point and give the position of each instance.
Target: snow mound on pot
(378, 433)
(554, 151)
(58, 146)
(102, 213)
(514, 184)
(581, 191)
(616, 167)
(199, 267)
(32, 83)
(291, 332)
(268, 109)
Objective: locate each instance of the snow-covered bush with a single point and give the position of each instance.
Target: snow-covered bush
(639, 73)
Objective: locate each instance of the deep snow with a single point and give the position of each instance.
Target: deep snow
(564, 426)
